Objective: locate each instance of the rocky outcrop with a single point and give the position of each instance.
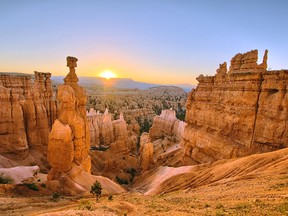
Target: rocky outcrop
(113, 146)
(69, 142)
(166, 135)
(146, 153)
(167, 125)
(101, 128)
(27, 112)
(247, 62)
(111, 134)
(20, 174)
(236, 113)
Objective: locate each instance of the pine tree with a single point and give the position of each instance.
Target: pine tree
(96, 189)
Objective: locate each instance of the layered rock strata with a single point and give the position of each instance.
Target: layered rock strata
(237, 112)
(163, 145)
(113, 146)
(69, 142)
(27, 112)
(111, 134)
(167, 125)
(146, 153)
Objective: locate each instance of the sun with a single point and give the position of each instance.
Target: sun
(108, 75)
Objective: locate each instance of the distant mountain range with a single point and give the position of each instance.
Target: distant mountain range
(121, 83)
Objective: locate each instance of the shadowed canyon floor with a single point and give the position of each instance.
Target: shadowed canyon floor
(253, 185)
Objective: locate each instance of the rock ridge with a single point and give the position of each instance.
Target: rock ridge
(236, 112)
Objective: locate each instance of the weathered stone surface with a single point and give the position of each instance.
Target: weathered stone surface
(27, 112)
(121, 135)
(118, 145)
(101, 128)
(12, 128)
(111, 134)
(247, 62)
(146, 153)
(61, 148)
(238, 113)
(167, 125)
(69, 140)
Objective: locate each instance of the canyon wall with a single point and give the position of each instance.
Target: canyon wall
(27, 113)
(236, 112)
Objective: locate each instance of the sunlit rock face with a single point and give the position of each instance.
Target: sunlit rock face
(167, 125)
(27, 113)
(69, 140)
(146, 153)
(101, 128)
(114, 146)
(236, 112)
(114, 135)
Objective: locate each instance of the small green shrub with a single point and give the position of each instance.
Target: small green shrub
(219, 206)
(32, 186)
(219, 212)
(121, 181)
(110, 197)
(5, 179)
(55, 197)
(85, 205)
(243, 207)
(283, 208)
(133, 172)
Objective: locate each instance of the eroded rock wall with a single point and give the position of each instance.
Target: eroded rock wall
(27, 112)
(114, 146)
(146, 152)
(166, 124)
(111, 134)
(236, 112)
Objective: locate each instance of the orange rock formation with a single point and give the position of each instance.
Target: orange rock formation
(167, 125)
(236, 113)
(146, 152)
(111, 134)
(69, 142)
(27, 112)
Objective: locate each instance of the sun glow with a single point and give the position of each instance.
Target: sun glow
(108, 74)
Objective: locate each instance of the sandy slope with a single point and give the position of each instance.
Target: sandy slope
(167, 179)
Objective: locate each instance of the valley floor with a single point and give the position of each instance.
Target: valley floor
(253, 195)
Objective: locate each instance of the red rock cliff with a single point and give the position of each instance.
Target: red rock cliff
(237, 112)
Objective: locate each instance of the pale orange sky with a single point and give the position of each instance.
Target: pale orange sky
(122, 66)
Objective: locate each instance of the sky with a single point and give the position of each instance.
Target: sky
(155, 41)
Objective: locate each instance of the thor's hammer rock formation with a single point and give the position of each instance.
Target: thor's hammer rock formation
(69, 140)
